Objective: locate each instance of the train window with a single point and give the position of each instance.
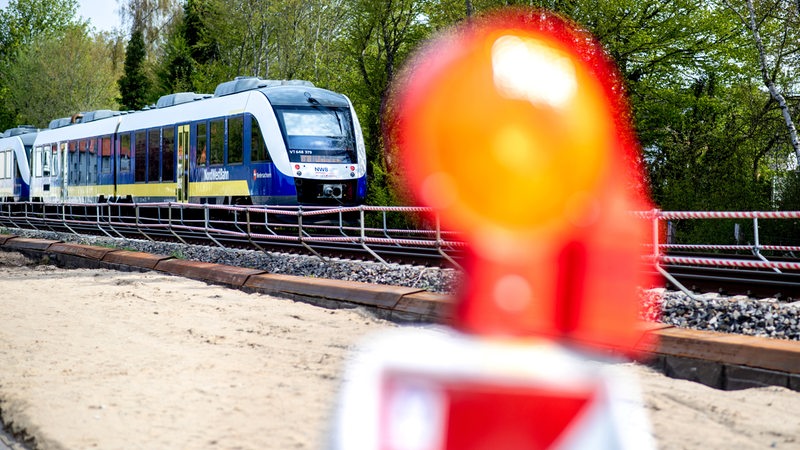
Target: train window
(235, 139)
(83, 163)
(45, 155)
(91, 156)
(105, 154)
(3, 164)
(318, 135)
(140, 157)
(202, 139)
(37, 156)
(57, 158)
(168, 157)
(217, 141)
(153, 154)
(313, 123)
(125, 153)
(258, 148)
(73, 162)
(7, 162)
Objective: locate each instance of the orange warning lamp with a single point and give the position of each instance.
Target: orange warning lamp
(514, 128)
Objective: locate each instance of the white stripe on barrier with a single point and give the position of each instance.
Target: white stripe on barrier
(740, 263)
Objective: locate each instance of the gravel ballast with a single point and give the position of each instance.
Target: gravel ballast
(713, 312)
(433, 279)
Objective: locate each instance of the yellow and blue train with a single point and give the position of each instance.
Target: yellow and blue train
(254, 141)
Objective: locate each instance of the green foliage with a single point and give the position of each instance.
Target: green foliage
(177, 72)
(134, 85)
(58, 75)
(22, 22)
(708, 152)
(784, 232)
(377, 40)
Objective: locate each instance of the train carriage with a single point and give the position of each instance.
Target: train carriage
(253, 142)
(15, 177)
(73, 162)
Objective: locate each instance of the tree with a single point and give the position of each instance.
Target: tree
(785, 12)
(378, 39)
(134, 85)
(23, 21)
(176, 73)
(152, 17)
(58, 75)
(20, 24)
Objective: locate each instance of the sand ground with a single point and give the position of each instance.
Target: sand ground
(114, 360)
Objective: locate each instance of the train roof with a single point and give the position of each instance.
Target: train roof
(278, 92)
(60, 122)
(298, 95)
(241, 84)
(19, 130)
(179, 98)
(91, 116)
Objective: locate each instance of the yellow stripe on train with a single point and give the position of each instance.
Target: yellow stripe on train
(147, 190)
(198, 189)
(219, 188)
(106, 190)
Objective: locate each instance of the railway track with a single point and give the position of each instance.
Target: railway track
(733, 277)
(752, 283)
(344, 233)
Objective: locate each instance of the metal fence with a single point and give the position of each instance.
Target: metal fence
(372, 230)
(742, 256)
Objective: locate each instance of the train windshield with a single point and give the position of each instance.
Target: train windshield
(318, 134)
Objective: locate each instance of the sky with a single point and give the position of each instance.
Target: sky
(101, 13)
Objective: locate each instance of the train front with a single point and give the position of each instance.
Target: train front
(324, 144)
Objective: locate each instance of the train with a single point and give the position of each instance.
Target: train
(252, 142)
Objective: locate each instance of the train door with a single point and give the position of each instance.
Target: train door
(64, 163)
(182, 179)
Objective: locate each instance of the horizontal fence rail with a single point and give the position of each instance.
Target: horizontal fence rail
(660, 249)
(373, 230)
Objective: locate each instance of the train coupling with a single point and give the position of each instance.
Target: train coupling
(332, 191)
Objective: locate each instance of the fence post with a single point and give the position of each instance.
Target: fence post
(439, 242)
(656, 258)
(757, 245)
(364, 238)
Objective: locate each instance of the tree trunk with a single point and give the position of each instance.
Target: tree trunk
(773, 91)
